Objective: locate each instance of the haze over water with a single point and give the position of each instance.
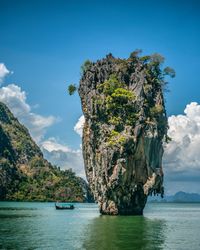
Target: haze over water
(32, 225)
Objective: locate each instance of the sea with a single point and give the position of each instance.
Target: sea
(35, 225)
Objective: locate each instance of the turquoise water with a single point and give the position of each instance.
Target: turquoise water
(26, 225)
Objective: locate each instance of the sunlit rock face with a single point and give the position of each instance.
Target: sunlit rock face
(125, 124)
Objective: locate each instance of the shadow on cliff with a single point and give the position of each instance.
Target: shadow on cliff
(121, 232)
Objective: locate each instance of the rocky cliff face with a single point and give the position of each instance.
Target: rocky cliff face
(125, 124)
(26, 175)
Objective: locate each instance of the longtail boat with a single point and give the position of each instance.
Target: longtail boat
(64, 207)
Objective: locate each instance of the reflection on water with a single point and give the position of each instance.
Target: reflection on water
(17, 208)
(125, 232)
(13, 216)
(26, 225)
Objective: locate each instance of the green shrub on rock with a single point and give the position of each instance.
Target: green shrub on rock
(85, 66)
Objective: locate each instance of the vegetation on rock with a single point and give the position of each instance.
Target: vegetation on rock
(85, 66)
(25, 175)
(125, 126)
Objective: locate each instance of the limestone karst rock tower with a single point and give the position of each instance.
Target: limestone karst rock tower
(125, 125)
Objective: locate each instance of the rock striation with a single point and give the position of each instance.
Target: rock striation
(125, 125)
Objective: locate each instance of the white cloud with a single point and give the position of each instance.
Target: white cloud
(52, 145)
(15, 99)
(3, 72)
(78, 128)
(182, 155)
(63, 156)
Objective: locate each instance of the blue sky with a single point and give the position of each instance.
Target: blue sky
(45, 42)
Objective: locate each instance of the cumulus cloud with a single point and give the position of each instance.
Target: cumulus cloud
(3, 72)
(51, 144)
(182, 153)
(13, 96)
(61, 155)
(78, 128)
(182, 158)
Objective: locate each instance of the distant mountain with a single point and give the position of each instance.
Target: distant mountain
(186, 197)
(179, 197)
(25, 174)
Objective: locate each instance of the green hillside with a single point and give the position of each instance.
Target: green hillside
(25, 175)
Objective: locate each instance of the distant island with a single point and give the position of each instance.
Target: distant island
(179, 197)
(25, 175)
